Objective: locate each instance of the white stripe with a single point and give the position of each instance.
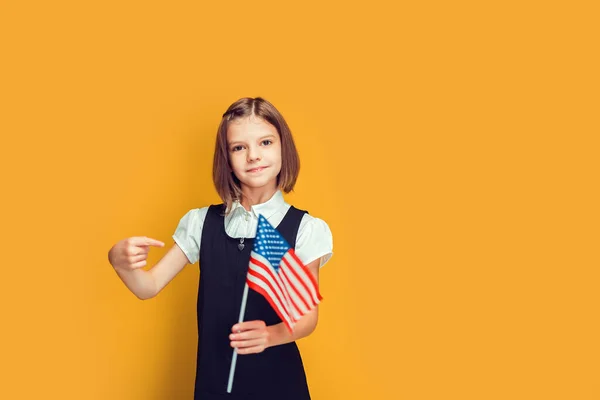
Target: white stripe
(290, 298)
(276, 284)
(294, 286)
(289, 294)
(259, 282)
(294, 296)
(281, 288)
(293, 280)
(303, 272)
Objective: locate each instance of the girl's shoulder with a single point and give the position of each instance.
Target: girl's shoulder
(188, 233)
(199, 213)
(193, 220)
(194, 215)
(313, 223)
(314, 240)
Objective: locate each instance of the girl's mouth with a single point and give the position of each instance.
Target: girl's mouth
(257, 169)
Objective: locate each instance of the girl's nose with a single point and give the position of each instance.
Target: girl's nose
(253, 155)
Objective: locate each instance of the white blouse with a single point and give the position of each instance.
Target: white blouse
(313, 241)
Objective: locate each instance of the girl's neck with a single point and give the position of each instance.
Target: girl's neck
(252, 196)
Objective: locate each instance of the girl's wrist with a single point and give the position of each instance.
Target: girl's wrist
(277, 335)
(272, 336)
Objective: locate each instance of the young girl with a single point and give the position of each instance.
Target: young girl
(255, 160)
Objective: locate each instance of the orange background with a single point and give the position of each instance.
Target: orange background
(451, 147)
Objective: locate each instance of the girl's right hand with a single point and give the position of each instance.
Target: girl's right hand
(131, 253)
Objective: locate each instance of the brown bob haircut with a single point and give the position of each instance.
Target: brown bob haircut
(227, 184)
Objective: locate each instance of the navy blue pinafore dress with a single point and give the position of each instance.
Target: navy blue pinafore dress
(277, 372)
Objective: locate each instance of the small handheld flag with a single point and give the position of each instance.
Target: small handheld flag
(280, 276)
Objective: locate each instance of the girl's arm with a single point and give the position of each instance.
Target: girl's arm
(255, 336)
(279, 334)
(129, 256)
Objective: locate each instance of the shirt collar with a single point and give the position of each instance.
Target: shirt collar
(270, 207)
(266, 209)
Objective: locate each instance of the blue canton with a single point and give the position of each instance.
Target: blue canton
(269, 243)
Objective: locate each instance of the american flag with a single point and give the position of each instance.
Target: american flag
(278, 274)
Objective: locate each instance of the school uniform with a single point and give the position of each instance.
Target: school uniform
(206, 235)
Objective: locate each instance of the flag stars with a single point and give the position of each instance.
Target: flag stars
(269, 243)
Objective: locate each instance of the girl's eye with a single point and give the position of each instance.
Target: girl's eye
(236, 148)
(267, 141)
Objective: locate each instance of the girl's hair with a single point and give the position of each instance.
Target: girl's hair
(227, 184)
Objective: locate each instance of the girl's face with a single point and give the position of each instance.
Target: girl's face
(254, 149)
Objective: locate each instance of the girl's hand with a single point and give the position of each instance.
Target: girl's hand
(250, 337)
(131, 253)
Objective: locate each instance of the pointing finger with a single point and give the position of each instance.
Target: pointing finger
(145, 241)
(154, 242)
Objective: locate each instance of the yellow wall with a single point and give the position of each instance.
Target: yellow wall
(451, 147)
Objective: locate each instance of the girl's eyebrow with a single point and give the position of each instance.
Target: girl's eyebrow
(242, 141)
(268, 136)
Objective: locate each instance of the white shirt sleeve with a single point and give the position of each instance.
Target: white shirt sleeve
(314, 240)
(189, 233)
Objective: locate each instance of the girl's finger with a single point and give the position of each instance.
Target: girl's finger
(145, 241)
(247, 335)
(139, 264)
(136, 250)
(242, 344)
(134, 259)
(248, 325)
(154, 242)
(250, 350)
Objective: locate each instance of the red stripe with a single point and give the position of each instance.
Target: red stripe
(292, 253)
(269, 271)
(292, 301)
(284, 271)
(308, 277)
(266, 296)
(309, 298)
(283, 289)
(302, 281)
(259, 276)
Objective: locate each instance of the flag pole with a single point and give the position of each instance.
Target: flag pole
(234, 357)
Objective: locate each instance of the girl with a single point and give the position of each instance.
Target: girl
(255, 160)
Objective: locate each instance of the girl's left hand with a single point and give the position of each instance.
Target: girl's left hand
(249, 337)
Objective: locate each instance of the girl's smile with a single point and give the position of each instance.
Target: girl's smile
(258, 169)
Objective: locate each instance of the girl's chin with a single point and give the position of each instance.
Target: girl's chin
(259, 182)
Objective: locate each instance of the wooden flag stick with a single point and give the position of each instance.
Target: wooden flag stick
(234, 357)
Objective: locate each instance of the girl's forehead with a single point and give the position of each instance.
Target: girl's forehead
(250, 126)
(248, 120)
